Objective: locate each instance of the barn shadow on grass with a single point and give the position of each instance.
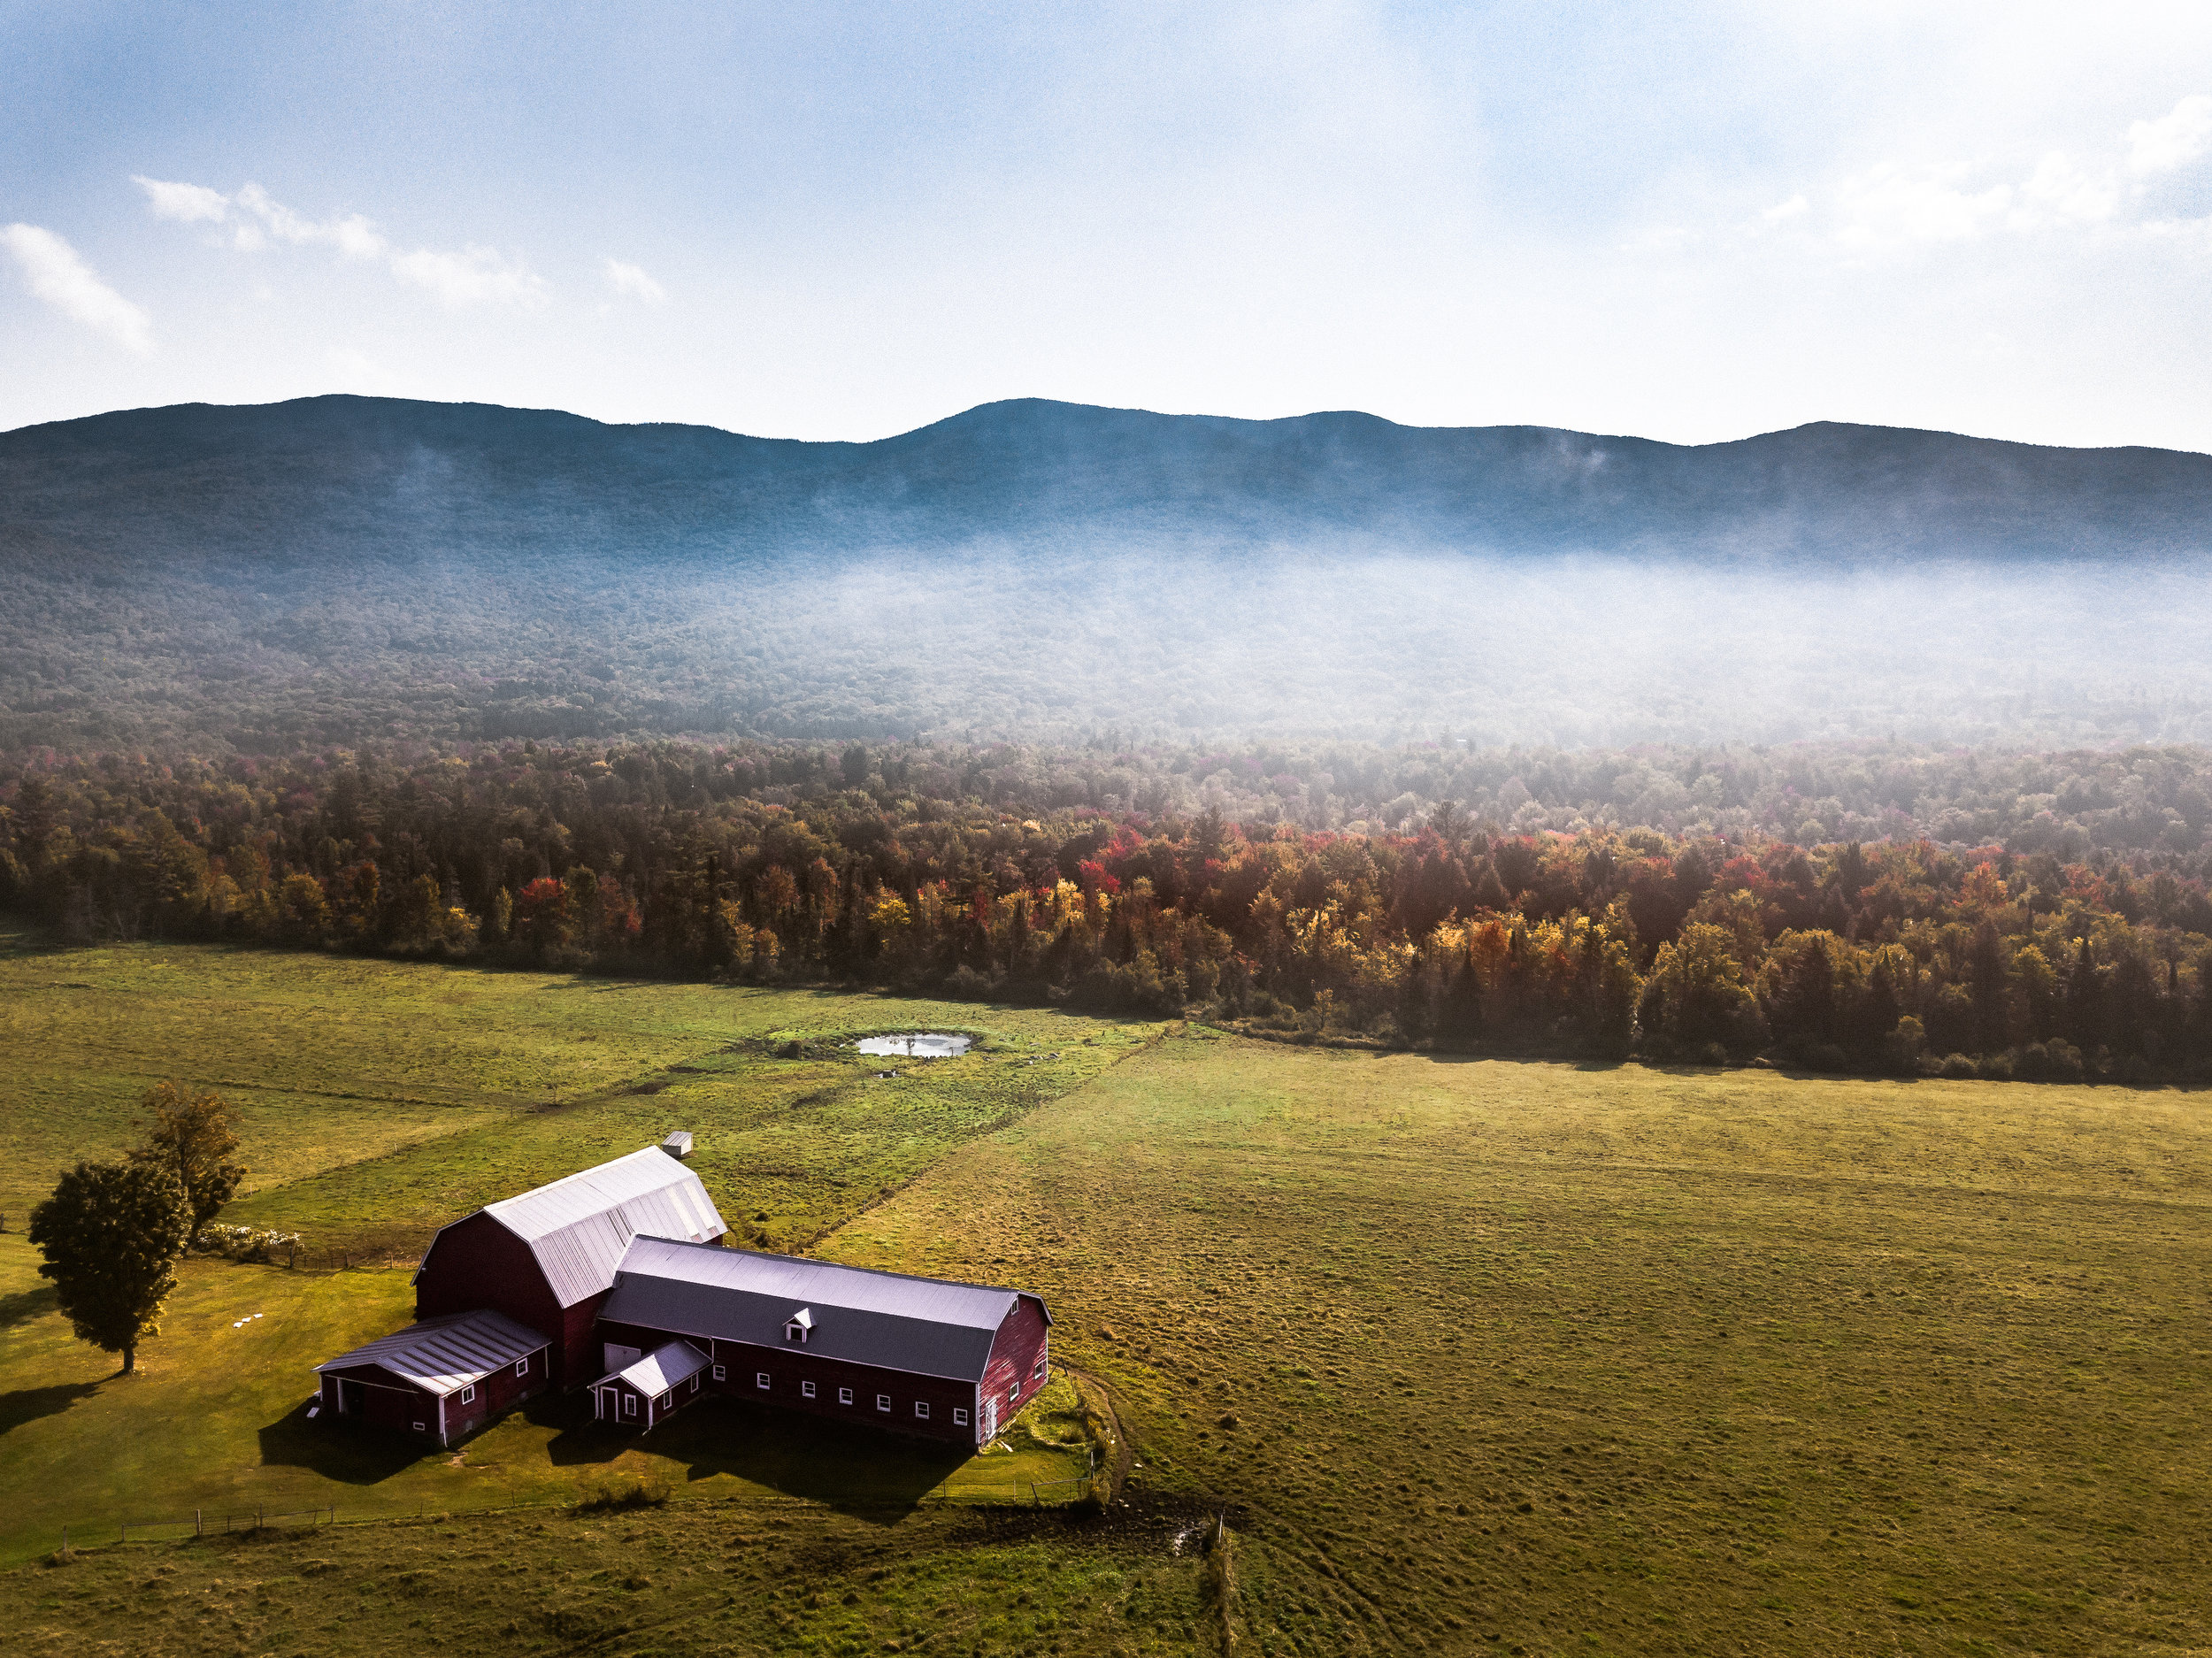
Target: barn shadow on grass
(354, 1453)
(28, 1404)
(855, 1470)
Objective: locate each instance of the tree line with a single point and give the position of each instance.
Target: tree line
(922, 869)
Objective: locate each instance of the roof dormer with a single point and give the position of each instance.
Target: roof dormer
(799, 1326)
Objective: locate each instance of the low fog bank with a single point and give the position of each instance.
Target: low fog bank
(1061, 645)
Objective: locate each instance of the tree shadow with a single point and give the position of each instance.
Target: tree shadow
(26, 1305)
(855, 1469)
(28, 1404)
(352, 1453)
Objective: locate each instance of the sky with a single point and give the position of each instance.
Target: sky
(1684, 221)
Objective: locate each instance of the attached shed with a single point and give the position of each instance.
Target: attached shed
(927, 1357)
(547, 1257)
(441, 1379)
(647, 1392)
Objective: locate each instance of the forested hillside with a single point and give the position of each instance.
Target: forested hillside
(341, 571)
(343, 480)
(1126, 879)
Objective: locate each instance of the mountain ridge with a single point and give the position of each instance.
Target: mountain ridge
(343, 475)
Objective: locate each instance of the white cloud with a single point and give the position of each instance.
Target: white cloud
(2174, 140)
(187, 202)
(475, 276)
(1886, 207)
(2059, 191)
(353, 236)
(54, 273)
(1894, 206)
(625, 278)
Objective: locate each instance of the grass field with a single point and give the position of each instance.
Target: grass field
(1477, 1356)
(1524, 1356)
(378, 1099)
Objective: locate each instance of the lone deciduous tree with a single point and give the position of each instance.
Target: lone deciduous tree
(192, 1138)
(112, 1233)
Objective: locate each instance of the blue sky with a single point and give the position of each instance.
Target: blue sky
(1690, 221)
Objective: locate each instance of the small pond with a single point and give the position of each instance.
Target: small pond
(918, 1045)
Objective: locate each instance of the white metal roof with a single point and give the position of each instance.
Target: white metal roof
(665, 1367)
(443, 1356)
(579, 1226)
(813, 1285)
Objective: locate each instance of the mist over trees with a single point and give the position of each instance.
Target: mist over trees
(1846, 747)
(346, 570)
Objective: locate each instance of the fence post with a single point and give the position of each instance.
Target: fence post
(197, 1529)
(65, 1539)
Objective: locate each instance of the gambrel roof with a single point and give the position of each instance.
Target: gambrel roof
(443, 1355)
(577, 1227)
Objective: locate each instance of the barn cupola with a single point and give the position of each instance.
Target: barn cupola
(799, 1326)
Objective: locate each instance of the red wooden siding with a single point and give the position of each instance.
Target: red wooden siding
(389, 1401)
(477, 1263)
(678, 1396)
(789, 1366)
(1010, 1374)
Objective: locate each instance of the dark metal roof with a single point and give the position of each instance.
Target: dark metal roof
(443, 1356)
(925, 1327)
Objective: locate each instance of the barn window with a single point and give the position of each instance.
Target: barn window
(522, 1367)
(799, 1325)
(695, 1381)
(883, 1401)
(1038, 1374)
(629, 1404)
(921, 1408)
(844, 1395)
(806, 1390)
(468, 1395)
(760, 1378)
(419, 1428)
(665, 1400)
(721, 1372)
(959, 1415)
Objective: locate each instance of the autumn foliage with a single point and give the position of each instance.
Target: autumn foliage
(1453, 933)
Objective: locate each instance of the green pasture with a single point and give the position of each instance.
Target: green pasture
(1477, 1356)
(214, 1420)
(378, 1099)
(1500, 1356)
(692, 1580)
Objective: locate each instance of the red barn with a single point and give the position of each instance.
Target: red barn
(547, 1259)
(441, 1379)
(926, 1356)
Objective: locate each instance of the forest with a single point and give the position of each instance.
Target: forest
(1464, 910)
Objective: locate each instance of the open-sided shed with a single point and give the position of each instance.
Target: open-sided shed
(441, 1379)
